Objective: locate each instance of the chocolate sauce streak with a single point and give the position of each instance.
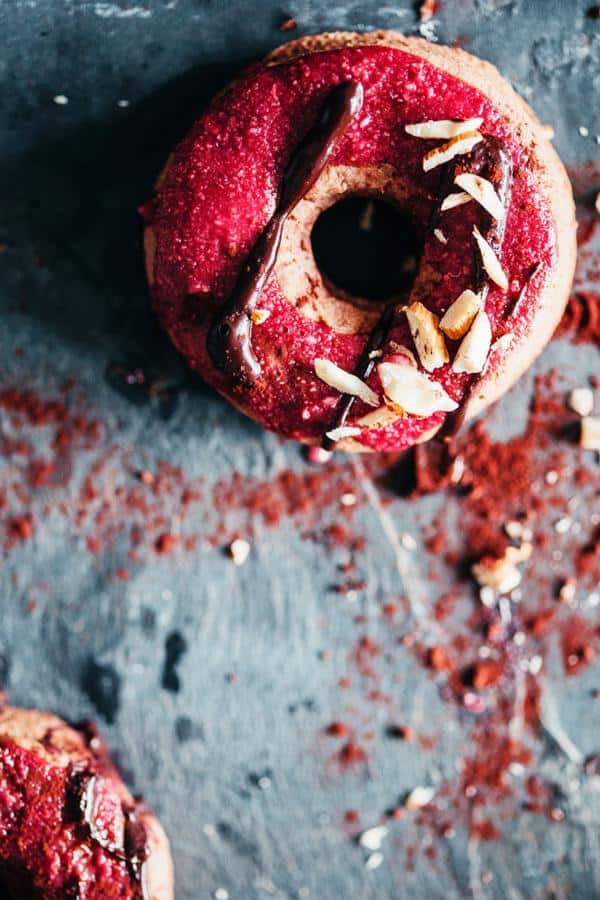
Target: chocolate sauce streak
(491, 160)
(82, 799)
(229, 339)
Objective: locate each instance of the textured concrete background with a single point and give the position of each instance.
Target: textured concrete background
(73, 299)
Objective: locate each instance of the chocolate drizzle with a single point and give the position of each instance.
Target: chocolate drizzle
(229, 339)
(83, 795)
(490, 159)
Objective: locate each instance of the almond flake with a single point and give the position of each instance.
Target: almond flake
(373, 861)
(457, 199)
(482, 191)
(429, 341)
(473, 352)
(590, 432)
(372, 838)
(502, 575)
(345, 431)
(412, 391)
(491, 264)
(457, 319)
(379, 418)
(581, 401)
(239, 550)
(344, 381)
(259, 316)
(442, 128)
(462, 143)
(502, 343)
(419, 797)
(439, 234)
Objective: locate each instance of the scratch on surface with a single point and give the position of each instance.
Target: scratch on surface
(474, 861)
(114, 11)
(408, 573)
(552, 725)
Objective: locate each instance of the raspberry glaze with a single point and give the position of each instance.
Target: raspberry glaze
(220, 189)
(48, 850)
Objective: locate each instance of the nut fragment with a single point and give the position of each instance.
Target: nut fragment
(419, 797)
(439, 234)
(590, 433)
(457, 319)
(259, 316)
(462, 143)
(380, 417)
(239, 550)
(490, 261)
(502, 574)
(457, 199)
(344, 431)
(412, 391)
(442, 128)
(581, 401)
(482, 191)
(429, 341)
(372, 838)
(474, 348)
(502, 343)
(344, 381)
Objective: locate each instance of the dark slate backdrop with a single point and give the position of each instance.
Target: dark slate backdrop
(73, 296)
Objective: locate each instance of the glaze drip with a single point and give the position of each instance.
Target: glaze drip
(230, 337)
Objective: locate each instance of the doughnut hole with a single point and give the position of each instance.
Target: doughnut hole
(352, 245)
(366, 249)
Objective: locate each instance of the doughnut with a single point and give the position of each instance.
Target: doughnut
(68, 825)
(432, 131)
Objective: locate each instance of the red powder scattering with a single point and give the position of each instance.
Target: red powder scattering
(363, 655)
(438, 659)
(400, 732)
(351, 754)
(580, 642)
(532, 704)
(165, 543)
(428, 9)
(337, 729)
(20, 528)
(485, 831)
(581, 321)
(486, 673)
(351, 816)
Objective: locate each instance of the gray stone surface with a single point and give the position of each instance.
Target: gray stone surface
(73, 298)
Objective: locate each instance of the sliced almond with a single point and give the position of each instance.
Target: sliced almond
(381, 417)
(457, 319)
(411, 390)
(344, 431)
(429, 341)
(442, 128)
(490, 261)
(345, 382)
(259, 316)
(590, 432)
(581, 401)
(502, 343)
(462, 143)
(457, 199)
(502, 574)
(439, 234)
(472, 353)
(482, 191)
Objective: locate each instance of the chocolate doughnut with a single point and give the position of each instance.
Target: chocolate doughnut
(69, 828)
(433, 131)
